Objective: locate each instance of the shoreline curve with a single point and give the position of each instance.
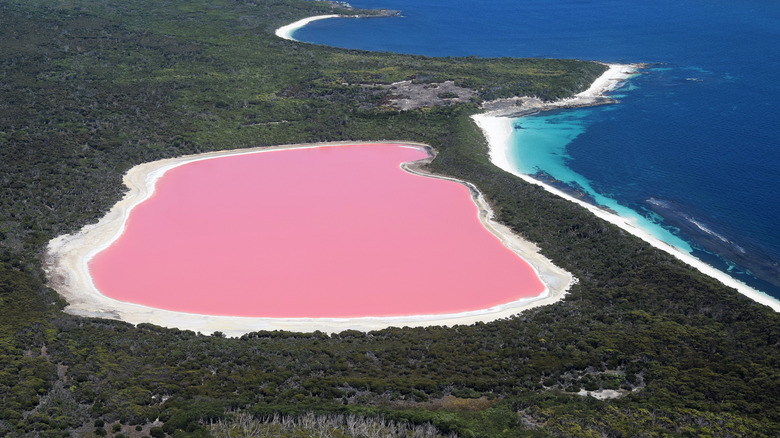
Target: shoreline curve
(286, 31)
(67, 256)
(496, 125)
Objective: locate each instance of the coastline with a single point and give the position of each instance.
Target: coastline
(496, 125)
(615, 75)
(286, 31)
(66, 266)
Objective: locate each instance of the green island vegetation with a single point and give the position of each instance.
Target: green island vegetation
(91, 88)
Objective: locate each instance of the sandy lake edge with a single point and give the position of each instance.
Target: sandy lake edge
(67, 257)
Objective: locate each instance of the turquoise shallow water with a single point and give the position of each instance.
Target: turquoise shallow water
(693, 145)
(539, 148)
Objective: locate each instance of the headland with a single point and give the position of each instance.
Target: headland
(612, 78)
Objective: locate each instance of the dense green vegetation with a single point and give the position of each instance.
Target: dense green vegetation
(90, 89)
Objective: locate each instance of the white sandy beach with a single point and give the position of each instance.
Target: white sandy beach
(609, 80)
(498, 130)
(615, 75)
(67, 258)
(287, 31)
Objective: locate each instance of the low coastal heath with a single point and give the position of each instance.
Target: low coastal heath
(497, 127)
(68, 257)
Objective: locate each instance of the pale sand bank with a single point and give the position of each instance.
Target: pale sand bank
(497, 128)
(67, 258)
(609, 80)
(287, 31)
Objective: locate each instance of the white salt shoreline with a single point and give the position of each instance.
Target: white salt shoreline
(497, 128)
(67, 258)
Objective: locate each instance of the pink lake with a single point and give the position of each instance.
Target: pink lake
(336, 231)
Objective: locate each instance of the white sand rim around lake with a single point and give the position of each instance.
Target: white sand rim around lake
(66, 265)
(498, 131)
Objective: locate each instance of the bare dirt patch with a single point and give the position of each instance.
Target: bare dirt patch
(408, 95)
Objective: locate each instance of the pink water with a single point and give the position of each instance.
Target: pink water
(324, 232)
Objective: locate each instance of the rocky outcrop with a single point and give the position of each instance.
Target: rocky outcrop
(406, 95)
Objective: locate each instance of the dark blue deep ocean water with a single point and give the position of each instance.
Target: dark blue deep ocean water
(693, 146)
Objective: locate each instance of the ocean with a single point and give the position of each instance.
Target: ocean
(693, 147)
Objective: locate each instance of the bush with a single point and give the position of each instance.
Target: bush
(592, 385)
